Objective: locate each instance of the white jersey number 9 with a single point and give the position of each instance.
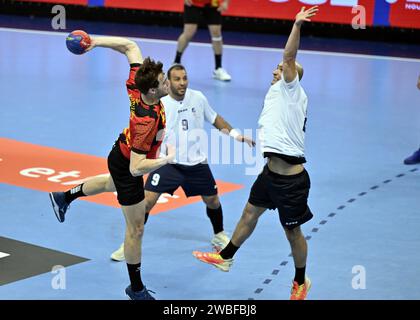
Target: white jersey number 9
(155, 179)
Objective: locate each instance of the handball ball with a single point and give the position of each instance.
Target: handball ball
(78, 41)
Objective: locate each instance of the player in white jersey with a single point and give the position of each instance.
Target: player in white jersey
(186, 112)
(284, 183)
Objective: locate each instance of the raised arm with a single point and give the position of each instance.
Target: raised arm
(122, 45)
(292, 45)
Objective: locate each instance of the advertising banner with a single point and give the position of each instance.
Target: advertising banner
(394, 13)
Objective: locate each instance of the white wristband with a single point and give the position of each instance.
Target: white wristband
(234, 133)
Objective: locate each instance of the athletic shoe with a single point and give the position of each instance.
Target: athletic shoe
(118, 255)
(220, 241)
(215, 259)
(139, 295)
(299, 292)
(221, 74)
(414, 158)
(59, 205)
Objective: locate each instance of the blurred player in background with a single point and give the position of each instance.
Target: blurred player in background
(210, 13)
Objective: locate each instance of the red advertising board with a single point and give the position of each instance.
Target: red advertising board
(158, 5)
(402, 13)
(405, 14)
(336, 11)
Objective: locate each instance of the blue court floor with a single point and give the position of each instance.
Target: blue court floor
(363, 120)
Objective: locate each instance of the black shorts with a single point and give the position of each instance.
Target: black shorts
(289, 194)
(205, 15)
(130, 190)
(195, 180)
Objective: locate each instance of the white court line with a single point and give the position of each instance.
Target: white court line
(249, 48)
(3, 255)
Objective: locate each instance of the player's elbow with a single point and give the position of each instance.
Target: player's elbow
(130, 46)
(289, 62)
(133, 171)
(289, 56)
(136, 169)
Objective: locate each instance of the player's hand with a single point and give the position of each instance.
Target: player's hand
(92, 44)
(170, 153)
(223, 6)
(188, 3)
(305, 15)
(246, 140)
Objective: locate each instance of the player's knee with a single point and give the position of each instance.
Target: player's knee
(216, 32)
(148, 206)
(150, 202)
(136, 229)
(212, 202)
(249, 216)
(188, 35)
(293, 234)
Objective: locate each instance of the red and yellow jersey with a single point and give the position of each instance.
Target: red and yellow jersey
(202, 3)
(147, 122)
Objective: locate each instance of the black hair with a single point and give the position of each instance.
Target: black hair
(176, 66)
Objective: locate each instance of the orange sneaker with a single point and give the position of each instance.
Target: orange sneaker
(215, 259)
(299, 292)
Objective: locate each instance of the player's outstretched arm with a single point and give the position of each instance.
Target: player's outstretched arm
(292, 45)
(226, 128)
(122, 45)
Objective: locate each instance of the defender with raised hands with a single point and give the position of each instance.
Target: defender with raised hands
(284, 183)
